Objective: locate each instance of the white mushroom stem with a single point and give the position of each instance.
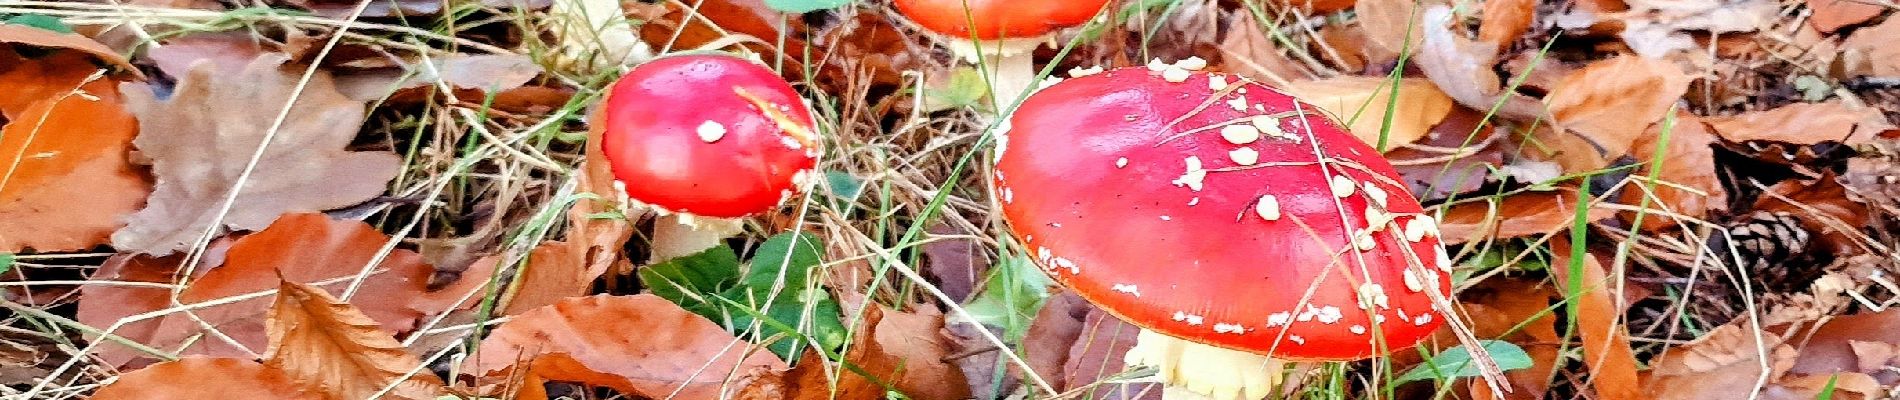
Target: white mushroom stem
(679, 235)
(1009, 65)
(1194, 371)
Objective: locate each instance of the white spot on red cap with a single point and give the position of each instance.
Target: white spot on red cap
(1342, 186)
(1240, 134)
(1444, 261)
(1167, 218)
(1424, 318)
(1362, 239)
(1128, 288)
(1414, 229)
(1412, 280)
(1378, 195)
(1267, 124)
(1371, 294)
(1175, 74)
(1190, 319)
(1079, 72)
(1065, 263)
(711, 131)
(1377, 218)
(1195, 176)
(1229, 328)
(1357, 329)
(1193, 201)
(1279, 319)
(1009, 195)
(1217, 83)
(1157, 65)
(1244, 156)
(1192, 63)
(1328, 314)
(1268, 208)
(1121, 162)
(1296, 339)
(1238, 103)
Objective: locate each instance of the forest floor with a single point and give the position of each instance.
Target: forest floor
(1643, 199)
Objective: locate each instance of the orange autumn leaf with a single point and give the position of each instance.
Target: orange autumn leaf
(63, 125)
(303, 248)
(1804, 124)
(905, 349)
(1365, 101)
(641, 345)
(1605, 340)
(36, 37)
(1514, 310)
(1608, 105)
(1832, 15)
(1686, 174)
(329, 344)
(1506, 20)
(199, 378)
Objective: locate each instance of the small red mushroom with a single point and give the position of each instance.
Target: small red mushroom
(1001, 34)
(1239, 227)
(707, 135)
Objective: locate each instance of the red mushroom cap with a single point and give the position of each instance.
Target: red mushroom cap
(998, 19)
(1194, 205)
(705, 134)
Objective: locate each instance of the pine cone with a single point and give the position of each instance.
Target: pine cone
(1774, 248)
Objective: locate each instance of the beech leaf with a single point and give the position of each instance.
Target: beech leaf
(199, 378)
(1366, 101)
(329, 344)
(65, 143)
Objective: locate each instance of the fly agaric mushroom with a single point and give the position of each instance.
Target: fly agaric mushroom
(1238, 227)
(709, 138)
(1003, 35)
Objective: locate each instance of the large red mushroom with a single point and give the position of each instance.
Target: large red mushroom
(1000, 34)
(1239, 227)
(706, 138)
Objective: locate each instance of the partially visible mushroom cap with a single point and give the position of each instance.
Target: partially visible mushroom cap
(1216, 210)
(998, 19)
(707, 134)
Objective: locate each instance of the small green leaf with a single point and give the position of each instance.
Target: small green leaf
(791, 255)
(1010, 297)
(6, 262)
(39, 21)
(845, 188)
(965, 88)
(687, 280)
(804, 6)
(1456, 362)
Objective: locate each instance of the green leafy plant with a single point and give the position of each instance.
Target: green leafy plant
(771, 300)
(1456, 362)
(805, 6)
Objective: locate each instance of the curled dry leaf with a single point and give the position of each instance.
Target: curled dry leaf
(1367, 102)
(329, 344)
(1804, 124)
(1457, 156)
(304, 248)
(1855, 352)
(212, 126)
(1075, 346)
(592, 340)
(68, 181)
(1821, 205)
(1514, 310)
(1685, 172)
(1386, 23)
(1608, 104)
(1463, 68)
(1516, 215)
(553, 271)
(1599, 309)
(1656, 28)
(199, 378)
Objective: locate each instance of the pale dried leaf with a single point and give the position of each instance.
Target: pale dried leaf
(1463, 68)
(590, 340)
(1517, 215)
(1365, 101)
(553, 271)
(473, 75)
(199, 378)
(1248, 51)
(412, 8)
(1804, 124)
(63, 129)
(329, 344)
(1832, 15)
(203, 137)
(1870, 51)
(1686, 173)
(1656, 28)
(595, 34)
(1871, 356)
(904, 349)
(1725, 363)
(32, 36)
(1386, 24)
(1609, 104)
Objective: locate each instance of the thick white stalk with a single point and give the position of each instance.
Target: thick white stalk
(1010, 75)
(1194, 371)
(679, 235)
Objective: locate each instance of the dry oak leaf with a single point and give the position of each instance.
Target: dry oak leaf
(304, 248)
(1723, 363)
(1656, 28)
(1515, 215)
(67, 182)
(904, 349)
(552, 272)
(1515, 310)
(199, 378)
(329, 344)
(1609, 104)
(1367, 103)
(470, 76)
(201, 140)
(1686, 184)
(641, 345)
(1804, 124)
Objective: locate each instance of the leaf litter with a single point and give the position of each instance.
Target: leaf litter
(1522, 125)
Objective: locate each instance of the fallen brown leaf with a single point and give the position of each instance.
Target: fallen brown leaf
(903, 349)
(552, 272)
(303, 248)
(1367, 102)
(1657, 28)
(1517, 215)
(1605, 341)
(1075, 346)
(641, 345)
(1725, 363)
(1832, 15)
(955, 259)
(1854, 352)
(1815, 202)
(1870, 51)
(1248, 51)
(1457, 156)
(1514, 310)
(1687, 182)
(469, 78)
(329, 344)
(63, 127)
(212, 126)
(1609, 104)
(1804, 124)
(1463, 68)
(228, 52)
(103, 305)
(36, 37)
(1386, 23)
(411, 8)
(1506, 20)
(199, 378)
